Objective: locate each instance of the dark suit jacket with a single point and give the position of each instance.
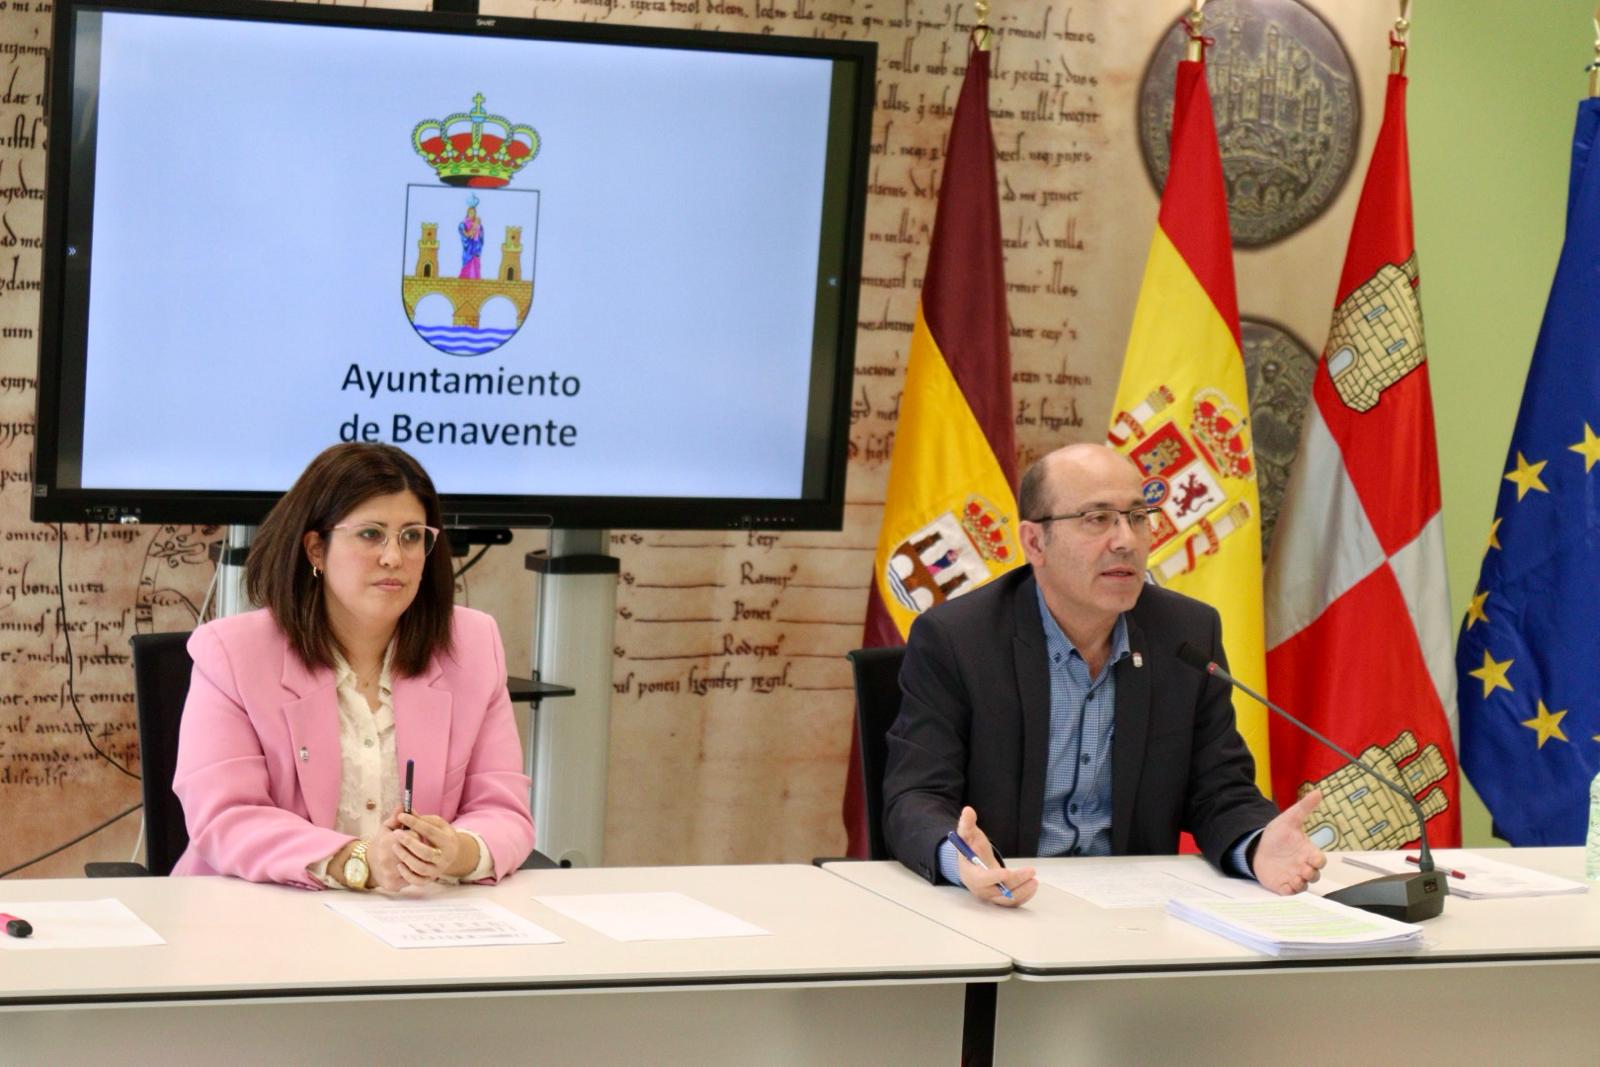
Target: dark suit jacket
(974, 728)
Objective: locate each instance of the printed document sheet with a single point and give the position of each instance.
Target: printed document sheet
(1483, 878)
(446, 923)
(649, 916)
(1145, 885)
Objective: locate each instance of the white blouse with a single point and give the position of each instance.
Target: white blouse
(369, 775)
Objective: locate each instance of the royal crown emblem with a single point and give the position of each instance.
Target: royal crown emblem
(1218, 428)
(987, 529)
(467, 155)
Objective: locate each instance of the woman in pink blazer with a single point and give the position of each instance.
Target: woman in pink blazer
(302, 715)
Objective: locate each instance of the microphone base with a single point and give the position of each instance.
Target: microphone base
(1410, 897)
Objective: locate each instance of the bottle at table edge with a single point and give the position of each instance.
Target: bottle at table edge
(1591, 851)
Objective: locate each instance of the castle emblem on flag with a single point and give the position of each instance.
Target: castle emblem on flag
(1356, 813)
(1376, 337)
(950, 555)
(1184, 469)
(451, 302)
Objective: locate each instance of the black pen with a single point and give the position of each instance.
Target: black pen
(16, 927)
(411, 766)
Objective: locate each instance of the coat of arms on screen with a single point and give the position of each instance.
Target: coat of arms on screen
(452, 297)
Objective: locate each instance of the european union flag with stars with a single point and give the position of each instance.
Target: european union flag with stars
(1529, 653)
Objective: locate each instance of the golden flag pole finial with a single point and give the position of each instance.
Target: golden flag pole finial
(984, 35)
(1197, 44)
(1400, 39)
(1594, 64)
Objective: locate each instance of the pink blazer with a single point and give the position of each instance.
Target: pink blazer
(258, 750)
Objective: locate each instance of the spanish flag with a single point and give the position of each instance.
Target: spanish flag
(949, 518)
(1182, 411)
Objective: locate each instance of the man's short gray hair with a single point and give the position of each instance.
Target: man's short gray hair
(1033, 494)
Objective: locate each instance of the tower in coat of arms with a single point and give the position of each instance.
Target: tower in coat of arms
(951, 555)
(1376, 337)
(452, 302)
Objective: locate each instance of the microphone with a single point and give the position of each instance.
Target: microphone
(1409, 897)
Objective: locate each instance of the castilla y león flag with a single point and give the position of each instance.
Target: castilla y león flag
(1358, 614)
(949, 517)
(1182, 410)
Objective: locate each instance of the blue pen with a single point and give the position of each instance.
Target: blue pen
(972, 858)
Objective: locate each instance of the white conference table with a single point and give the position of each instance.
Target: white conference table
(1498, 981)
(255, 974)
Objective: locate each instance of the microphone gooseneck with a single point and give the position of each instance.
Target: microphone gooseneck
(1406, 905)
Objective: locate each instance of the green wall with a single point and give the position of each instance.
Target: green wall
(1493, 95)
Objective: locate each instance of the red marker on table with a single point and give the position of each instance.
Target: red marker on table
(16, 927)
(1417, 861)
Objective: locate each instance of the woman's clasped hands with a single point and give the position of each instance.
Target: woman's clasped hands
(418, 850)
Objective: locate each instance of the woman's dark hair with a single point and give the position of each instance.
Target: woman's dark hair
(278, 574)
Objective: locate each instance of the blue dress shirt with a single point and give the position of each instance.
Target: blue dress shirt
(1077, 783)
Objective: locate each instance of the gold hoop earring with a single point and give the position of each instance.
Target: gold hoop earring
(316, 571)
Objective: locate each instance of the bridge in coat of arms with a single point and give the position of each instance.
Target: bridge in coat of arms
(467, 295)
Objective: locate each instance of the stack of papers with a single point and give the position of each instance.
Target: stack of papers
(1484, 878)
(1299, 926)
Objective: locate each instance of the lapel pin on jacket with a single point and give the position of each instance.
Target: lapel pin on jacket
(1138, 661)
(305, 754)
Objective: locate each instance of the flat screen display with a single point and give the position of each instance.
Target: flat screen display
(587, 277)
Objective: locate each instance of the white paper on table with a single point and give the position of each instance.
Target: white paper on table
(1145, 885)
(1485, 878)
(649, 916)
(440, 923)
(103, 923)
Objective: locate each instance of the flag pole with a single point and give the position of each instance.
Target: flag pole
(1400, 38)
(1196, 50)
(983, 34)
(1594, 64)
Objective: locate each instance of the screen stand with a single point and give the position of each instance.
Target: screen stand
(231, 598)
(574, 624)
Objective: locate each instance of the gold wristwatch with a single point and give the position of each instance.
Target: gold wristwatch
(355, 868)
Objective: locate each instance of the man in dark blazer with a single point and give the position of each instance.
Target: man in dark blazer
(1005, 701)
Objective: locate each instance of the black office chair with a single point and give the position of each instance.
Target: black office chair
(160, 686)
(877, 675)
(161, 669)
